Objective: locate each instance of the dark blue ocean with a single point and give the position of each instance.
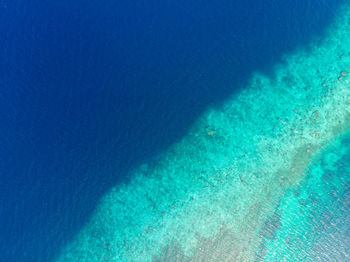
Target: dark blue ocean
(90, 89)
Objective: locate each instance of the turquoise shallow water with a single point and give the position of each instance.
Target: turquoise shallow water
(257, 179)
(312, 220)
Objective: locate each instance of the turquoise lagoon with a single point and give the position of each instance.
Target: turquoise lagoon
(255, 180)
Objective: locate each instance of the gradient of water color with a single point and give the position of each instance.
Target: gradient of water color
(89, 90)
(259, 178)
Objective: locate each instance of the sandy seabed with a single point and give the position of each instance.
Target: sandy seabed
(210, 196)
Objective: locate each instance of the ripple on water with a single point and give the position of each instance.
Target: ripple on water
(210, 196)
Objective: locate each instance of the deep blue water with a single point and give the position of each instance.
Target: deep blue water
(89, 89)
